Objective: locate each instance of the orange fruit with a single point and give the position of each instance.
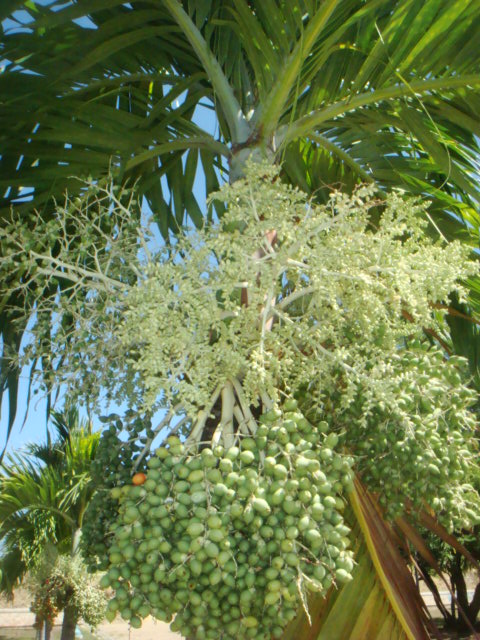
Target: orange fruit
(139, 478)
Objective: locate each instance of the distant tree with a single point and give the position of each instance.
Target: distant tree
(457, 567)
(44, 491)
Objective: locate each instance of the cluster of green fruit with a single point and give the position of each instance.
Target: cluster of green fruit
(417, 447)
(112, 466)
(230, 541)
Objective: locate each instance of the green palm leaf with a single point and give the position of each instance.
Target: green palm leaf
(44, 492)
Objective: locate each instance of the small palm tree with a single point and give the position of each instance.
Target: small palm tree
(44, 492)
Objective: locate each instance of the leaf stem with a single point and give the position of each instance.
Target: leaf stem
(237, 123)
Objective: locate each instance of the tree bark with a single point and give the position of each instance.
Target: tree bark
(76, 536)
(48, 630)
(453, 606)
(474, 606)
(460, 586)
(449, 619)
(465, 611)
(69, 623)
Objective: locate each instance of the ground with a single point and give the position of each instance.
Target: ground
(16, 614)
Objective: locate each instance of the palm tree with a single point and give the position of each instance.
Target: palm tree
(44, 492)
(338, 91)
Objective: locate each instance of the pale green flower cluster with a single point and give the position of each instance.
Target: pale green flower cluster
(340, 305)
(283, 294)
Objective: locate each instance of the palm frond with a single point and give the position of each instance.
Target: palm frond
(381, 600)
(44, 491)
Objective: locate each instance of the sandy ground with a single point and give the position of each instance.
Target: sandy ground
(16, 613)
(151, 630)
(118, 630)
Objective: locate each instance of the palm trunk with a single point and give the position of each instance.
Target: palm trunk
(69, 623)
(76, 535)
(38, 625)
(70, 615)
(48, 630)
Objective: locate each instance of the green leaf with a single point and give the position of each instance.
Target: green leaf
(380, 602)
